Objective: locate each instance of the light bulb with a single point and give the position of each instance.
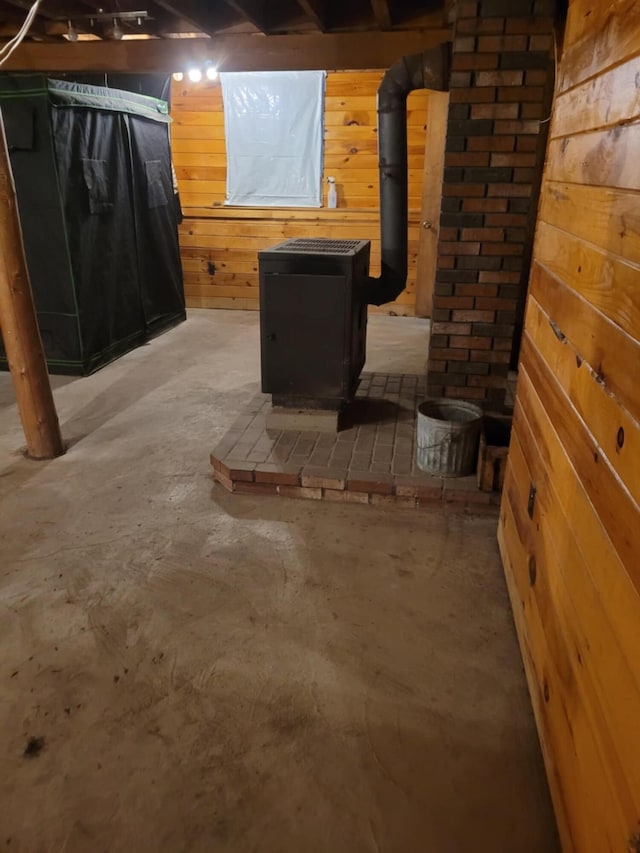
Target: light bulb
(178, 76)
(72, 33)
(195, 75)
(116, 32)
(212, 73)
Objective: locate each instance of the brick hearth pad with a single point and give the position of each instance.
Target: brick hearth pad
(371, 460)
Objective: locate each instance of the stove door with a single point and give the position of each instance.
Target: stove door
(302, 322)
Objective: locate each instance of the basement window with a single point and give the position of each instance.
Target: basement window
(273, 129)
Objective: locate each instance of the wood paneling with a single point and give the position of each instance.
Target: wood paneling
(220, 244)
(570, 518)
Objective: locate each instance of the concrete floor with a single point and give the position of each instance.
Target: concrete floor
(213, 672)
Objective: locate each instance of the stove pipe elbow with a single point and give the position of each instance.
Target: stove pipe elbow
(428, 70)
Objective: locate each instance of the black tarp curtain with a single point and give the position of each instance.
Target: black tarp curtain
(92, 167)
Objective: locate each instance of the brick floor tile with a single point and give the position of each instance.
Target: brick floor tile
(281, 475)
(360, 462)
(242, 422)
(242, 450)
(237, 470)
(345, 437)
(227, 444)
(405, 430)
(287, 439)
(380, 484)
(264, 445)
(401, 465)
(464, 490)
(341, 457)
(408, 486)
(430, 489)
(368, 430)
(397, 500)
(257, 402)
(385, 438)
(335, 495)
(326, 442)
(257, 456)
(325, 478)
(281, 452)
(224, 481)
(300, 492)
(243, 488)
(320, 457)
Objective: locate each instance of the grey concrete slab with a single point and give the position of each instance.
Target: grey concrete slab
(221, 672)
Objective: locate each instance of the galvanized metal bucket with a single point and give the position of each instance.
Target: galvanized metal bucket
(448, 437)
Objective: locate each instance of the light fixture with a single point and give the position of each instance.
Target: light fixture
(178, 76)
(72, 33)
(195, 75)
(116, 31)
(211, 72)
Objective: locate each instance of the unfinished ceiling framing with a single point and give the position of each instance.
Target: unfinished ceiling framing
(166, 19)
(234, 35)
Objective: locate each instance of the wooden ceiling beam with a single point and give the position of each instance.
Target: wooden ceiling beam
(382, 13)
(315, 9)
(198, 15)
(238, 52)
(40, 29)
(255, 11)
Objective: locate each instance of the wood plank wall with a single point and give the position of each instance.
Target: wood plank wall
(220, 244)
(571, 551)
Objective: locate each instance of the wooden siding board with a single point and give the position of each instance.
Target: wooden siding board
(591, 400)
(615, 507)
(600, 158)
(613, 222)
(599, 35)
(600, 102)
(597, 340)
(603, 279)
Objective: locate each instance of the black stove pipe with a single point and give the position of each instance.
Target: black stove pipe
(429, 70)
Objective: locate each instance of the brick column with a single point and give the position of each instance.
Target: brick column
(502, 61)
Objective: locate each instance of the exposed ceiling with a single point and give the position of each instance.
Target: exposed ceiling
(166, 19)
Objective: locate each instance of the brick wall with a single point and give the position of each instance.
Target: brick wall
(502, 64)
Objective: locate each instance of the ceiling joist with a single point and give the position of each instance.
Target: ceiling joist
(200, 16)
(382, 13)
(315, 9)
(255, 11)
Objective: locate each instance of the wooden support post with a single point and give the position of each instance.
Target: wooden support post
(435, 141)
(19, 326)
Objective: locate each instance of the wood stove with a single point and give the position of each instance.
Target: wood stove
(313, 321)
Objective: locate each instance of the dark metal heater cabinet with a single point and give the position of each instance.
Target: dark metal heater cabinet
(313, 321)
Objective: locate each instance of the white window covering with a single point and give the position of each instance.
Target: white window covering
(273, 130)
